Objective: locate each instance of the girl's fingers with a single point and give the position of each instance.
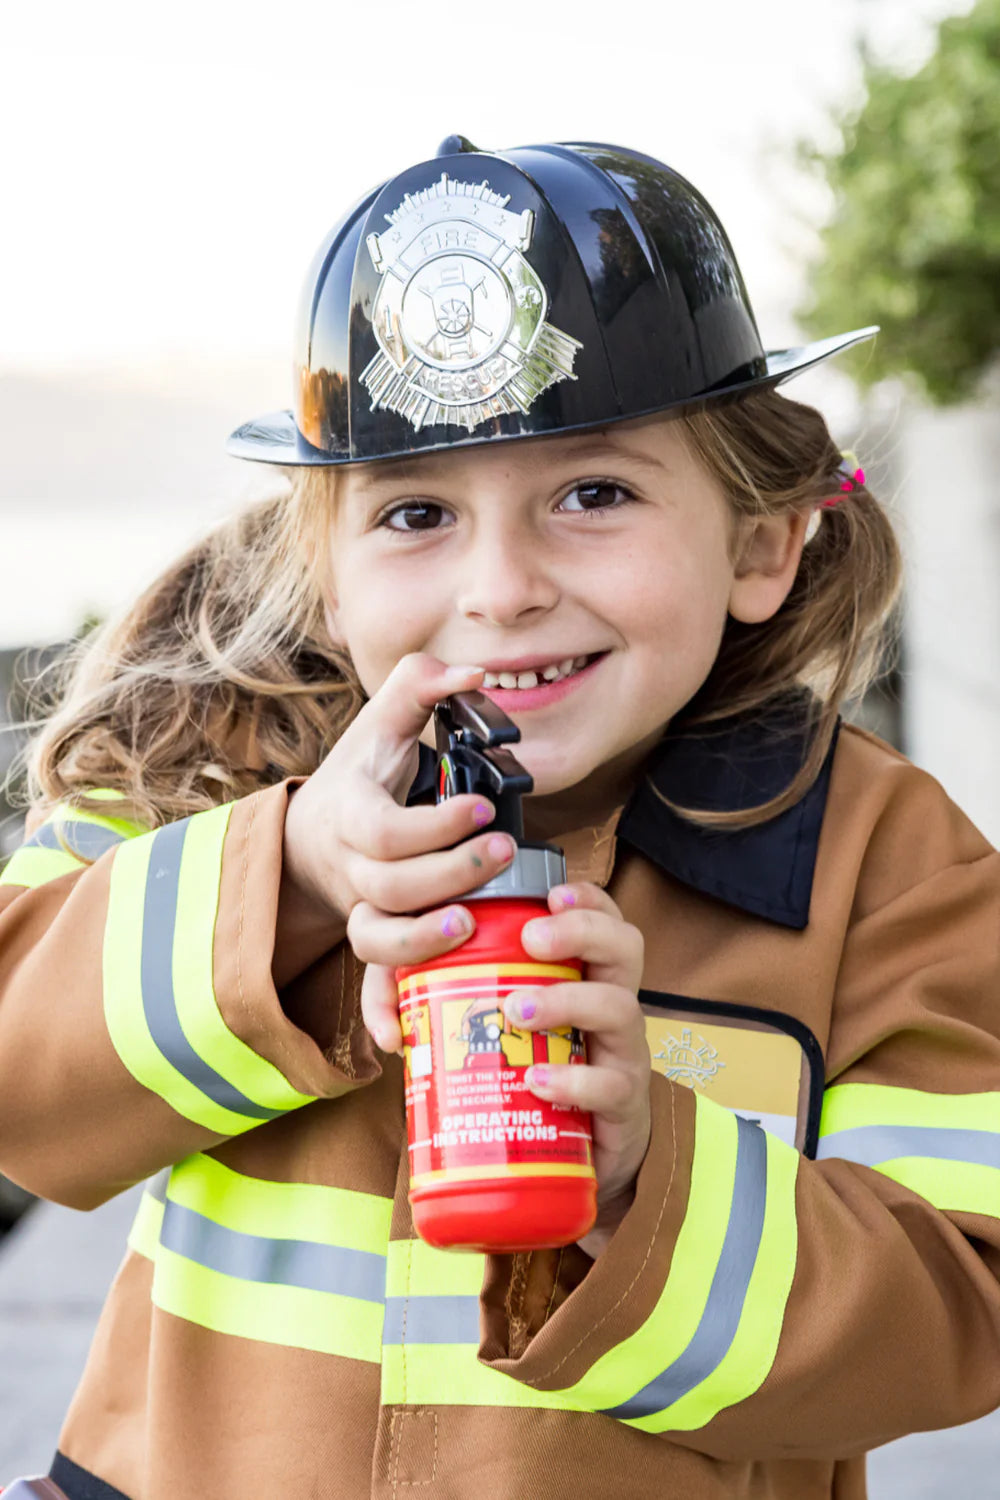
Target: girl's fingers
(427, 880)
(378, 938)
(380, 1007)
(381, 829)
(612, 948)
(404, 702)
(610, 1093)
(609, 1014)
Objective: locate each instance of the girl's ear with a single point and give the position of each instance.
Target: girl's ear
(766, 565)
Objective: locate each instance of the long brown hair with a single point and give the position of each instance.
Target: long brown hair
(832, 635)
(222, 677)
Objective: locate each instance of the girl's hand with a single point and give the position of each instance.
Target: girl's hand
(354, 859)
(614, 1083)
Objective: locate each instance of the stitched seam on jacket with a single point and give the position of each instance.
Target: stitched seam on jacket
(547, 1374)
(422, 1411)
(555, 1283)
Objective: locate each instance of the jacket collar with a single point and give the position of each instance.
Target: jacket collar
(766, 870)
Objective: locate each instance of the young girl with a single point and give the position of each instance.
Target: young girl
(670, 588)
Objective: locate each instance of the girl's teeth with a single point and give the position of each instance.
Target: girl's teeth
(531, 679)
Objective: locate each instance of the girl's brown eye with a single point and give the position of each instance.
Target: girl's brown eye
(595, 494)
(416, 515)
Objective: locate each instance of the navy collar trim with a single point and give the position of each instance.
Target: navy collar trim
(766, 871)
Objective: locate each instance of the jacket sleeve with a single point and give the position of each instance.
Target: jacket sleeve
(753, 1304)
(138, 1018)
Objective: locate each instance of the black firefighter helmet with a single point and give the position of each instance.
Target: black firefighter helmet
(491, 295)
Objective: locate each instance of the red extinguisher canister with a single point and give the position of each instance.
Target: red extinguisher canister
(492, 1166)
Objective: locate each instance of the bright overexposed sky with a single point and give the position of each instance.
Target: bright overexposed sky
(168, 170)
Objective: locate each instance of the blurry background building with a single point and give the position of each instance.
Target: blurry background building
(173, 175)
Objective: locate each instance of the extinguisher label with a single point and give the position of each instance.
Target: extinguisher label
(469, 1111)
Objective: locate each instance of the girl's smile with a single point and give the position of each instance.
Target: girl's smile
(517, 687)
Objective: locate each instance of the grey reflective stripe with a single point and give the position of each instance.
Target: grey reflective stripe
(88, 840)
(159, 919)
(431, 1320)
(871, 1144)
(276, 1262)
(724, 1308)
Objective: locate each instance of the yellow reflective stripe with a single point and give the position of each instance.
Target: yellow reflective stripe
(748, 1362)
(847, 1106)
(197, 1009)
(953, 1187)
(296, 1264)
(32, 867)
(711, 1338)
(416, 1269)
(674, 1320)
(159, 999)
(267, 1312)
(451, 1375)
(144, 1236)
(123, 1010)
(296, 1210)
(64, 813)
(946, 1147)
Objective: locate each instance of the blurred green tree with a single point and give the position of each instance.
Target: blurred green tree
(914, 241)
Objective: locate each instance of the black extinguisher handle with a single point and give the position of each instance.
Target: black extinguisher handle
(472, 735)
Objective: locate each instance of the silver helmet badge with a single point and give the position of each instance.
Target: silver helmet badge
(460, 314)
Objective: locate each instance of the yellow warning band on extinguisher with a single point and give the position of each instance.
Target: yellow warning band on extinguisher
(503, 1170)
(440, 977)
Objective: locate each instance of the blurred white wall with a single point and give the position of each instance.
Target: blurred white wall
(949, 476)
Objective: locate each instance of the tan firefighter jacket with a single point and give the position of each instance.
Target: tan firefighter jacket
(810, 1267)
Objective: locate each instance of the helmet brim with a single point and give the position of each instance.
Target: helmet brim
(275, 439)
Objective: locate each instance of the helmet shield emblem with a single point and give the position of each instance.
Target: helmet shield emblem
(459, 315)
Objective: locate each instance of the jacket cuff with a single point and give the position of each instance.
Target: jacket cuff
(681, 1315)
(189, 1000)
(576, 1310)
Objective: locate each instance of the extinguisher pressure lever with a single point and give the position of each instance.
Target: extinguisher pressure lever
(472, 734)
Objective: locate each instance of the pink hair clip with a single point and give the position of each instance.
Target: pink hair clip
(853, 478)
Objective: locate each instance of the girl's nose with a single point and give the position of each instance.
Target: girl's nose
(505, 576)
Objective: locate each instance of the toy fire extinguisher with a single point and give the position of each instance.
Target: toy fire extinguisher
(492, 1167)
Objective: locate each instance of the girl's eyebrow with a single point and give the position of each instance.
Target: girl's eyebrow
(424, 467)
(600, 450)
(403, 468)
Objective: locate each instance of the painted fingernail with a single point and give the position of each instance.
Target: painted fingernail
(537, 1077)
(519, 1007)
(565, 895)
(454, 923)
(501, 847)
(539, 932)
(483, 814)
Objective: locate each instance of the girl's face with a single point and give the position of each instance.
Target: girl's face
(594, 570)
